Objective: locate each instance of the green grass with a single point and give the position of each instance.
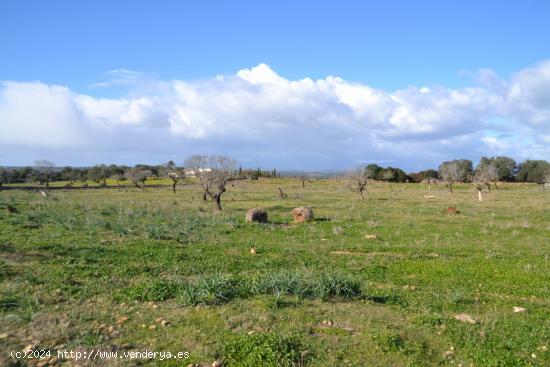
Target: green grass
(73, 264)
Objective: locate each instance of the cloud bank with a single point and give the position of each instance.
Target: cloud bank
(261, 118)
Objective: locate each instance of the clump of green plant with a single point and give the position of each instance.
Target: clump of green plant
(157, 290)
(266, 349)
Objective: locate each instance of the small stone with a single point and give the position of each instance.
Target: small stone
(152, 327)
(122, 320)
(217, 363)
(465, 318)
(533, 355)
(328, 322)
(371, 236)
(543, 348)
(155, 306)
(519, 309)
(165, 323)
(158, 319)
(251, 332)
(253, 251)
(448, 354)
(3, 335)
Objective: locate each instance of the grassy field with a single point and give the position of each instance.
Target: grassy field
(128, 270)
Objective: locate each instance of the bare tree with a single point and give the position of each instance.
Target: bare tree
(454, 171)
(486, 172)
(304, 179)
(214, 172)
(282, 194)
(43, 172)
(138, 176)
(357, 180)
(171, 171)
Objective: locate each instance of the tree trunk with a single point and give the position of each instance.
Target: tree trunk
(204, 196)
(479, 195)
(451, 186)
(361, 193)
(174, 187)
(217, 200)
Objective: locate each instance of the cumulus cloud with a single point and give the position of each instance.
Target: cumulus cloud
(261, 117)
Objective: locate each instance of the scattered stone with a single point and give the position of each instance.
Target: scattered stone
(122, 320)
(217, 363)
(519, 309)
(371, 236)
(533, 355)
(409, 287)
(165, 323)
(328, 322)
(4, 335)
(152, 327)
(430, 196)
(256, 215)
(465, 318)
(302, 214)
(337, 230)
(42, 363)
(253, 250)
(543, 348)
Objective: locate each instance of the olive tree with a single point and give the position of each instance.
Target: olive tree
(43, 172)
(171, 171)
(137, 176)
(99, 174)
(214, 172)
(357, 180)
(6, 176)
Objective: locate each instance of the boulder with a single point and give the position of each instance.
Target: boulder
(256, 215)
(302, 214)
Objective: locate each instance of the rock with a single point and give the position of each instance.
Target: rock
(256, 215)
(165, 323)
(42, 363)
(253, 251)
(122, 320)
(302, 214)
(328, 322)
(152, 327)
(370, 236)
(465, 318)
(217, 363)
(519, 309)
(543, 348)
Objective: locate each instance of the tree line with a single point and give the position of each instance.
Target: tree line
(489, 169)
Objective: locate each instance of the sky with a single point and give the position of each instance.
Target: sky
(275, 84)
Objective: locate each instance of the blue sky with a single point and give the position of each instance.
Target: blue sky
(128, 51)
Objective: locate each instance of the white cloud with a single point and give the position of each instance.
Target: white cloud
(257, 113)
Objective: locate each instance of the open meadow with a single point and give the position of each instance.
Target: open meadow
(378, 282)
